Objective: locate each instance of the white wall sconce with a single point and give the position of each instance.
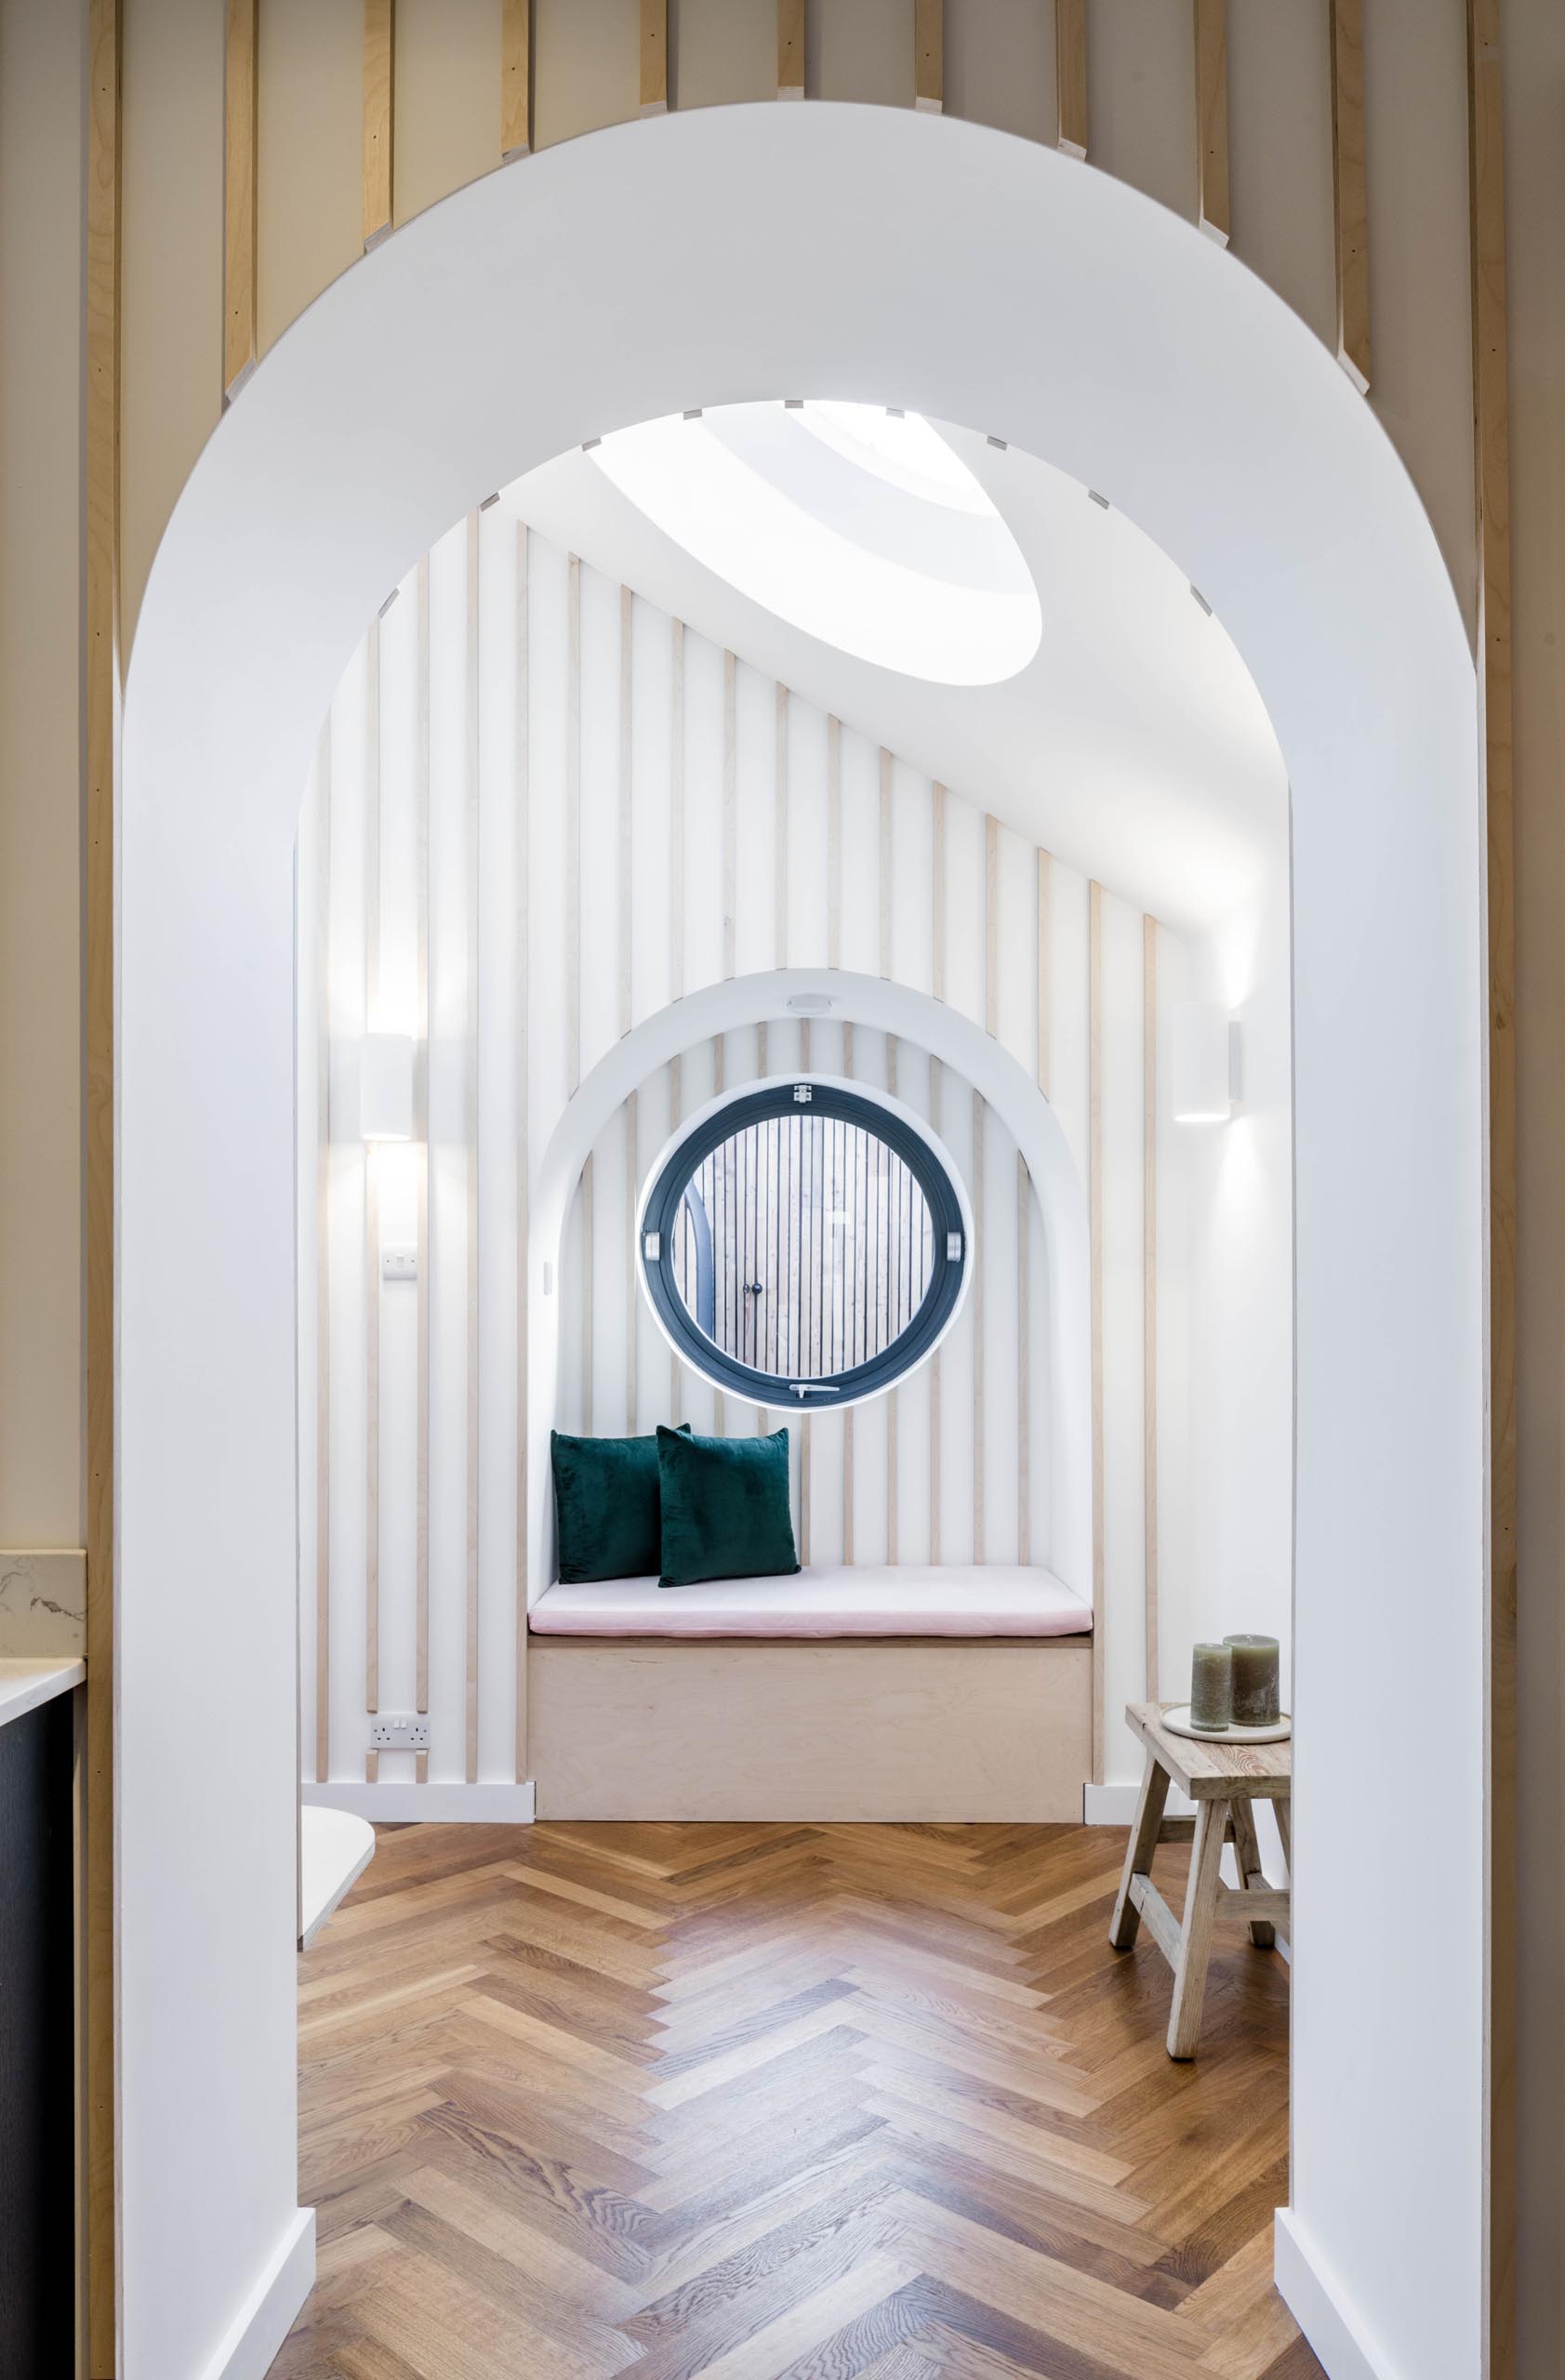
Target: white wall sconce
(1203, 1062)
(385, 1087)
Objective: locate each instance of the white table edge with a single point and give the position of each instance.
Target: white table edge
(29, 1680)
(335, 1849)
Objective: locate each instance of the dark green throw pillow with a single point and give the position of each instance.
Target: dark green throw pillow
(605, 1500)
(725, 1509)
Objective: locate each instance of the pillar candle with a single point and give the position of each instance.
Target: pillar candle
(1257, 1676)
(1212, 1677)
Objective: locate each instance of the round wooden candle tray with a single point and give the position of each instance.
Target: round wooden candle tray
(1177, 1722)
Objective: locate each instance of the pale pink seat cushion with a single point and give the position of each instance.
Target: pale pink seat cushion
(987, 1600)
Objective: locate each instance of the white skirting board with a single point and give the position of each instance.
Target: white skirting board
(399, 1804)
(250, 2345)
(1336, 2334)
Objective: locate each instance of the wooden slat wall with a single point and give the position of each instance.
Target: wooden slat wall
(654, 56)
(241, 158)
(791, 49)
(1212, 117)
(1492, 488)
(1350, 207)
(380, 119)
(101, 699)
(1070, 74)
(516, 78)
(929, 55)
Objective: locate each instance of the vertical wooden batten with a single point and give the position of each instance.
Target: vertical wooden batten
(1149, 1289)
(779, 843)
(1212, 118)
(102, 700)
(1094, 1205)
(626, 794)
(975, 1293)
(470, 826)
(372, 1195)
(241, 150)
(791, 49)
(380, 118)
(929, 55)
(425, 1160)
(1024, 1361)
(521, 1011)
(991, 927)
(323, 1267)
(654, 56)
(1070, 74)
(1349, 204)
(1492, 495)
(516, 79)
(573, 832)
(1042, 965)
(730, 818)
(676, 810)
(885, 921)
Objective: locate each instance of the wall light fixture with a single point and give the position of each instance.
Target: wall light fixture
(385, 1087)
(1203, 1062)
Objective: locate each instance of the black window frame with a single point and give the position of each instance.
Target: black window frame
(776, 1391)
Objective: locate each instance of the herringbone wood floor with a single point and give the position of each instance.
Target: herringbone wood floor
(762, 2101)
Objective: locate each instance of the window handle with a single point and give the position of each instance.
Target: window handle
(803, 1388)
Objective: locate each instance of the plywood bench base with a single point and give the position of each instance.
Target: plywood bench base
(983, 1730)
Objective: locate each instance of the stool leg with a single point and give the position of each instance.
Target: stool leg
(1143, 1842)
(1247, 1852)
(1283, 1813)
(1201, 1909)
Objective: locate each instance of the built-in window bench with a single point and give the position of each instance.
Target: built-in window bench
(958, 1693)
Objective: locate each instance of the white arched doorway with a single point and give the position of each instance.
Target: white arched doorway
(872, 254)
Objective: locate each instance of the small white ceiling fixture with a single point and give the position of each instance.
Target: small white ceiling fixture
(858, 525)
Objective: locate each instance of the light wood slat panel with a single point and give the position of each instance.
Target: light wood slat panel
(929, 55)
(1492, 477)
(516, 78)
(791, 49)
(885, 862)
(627, 791)
(240, 164)
(426, 1162)
(654, 56)
(380, 118)
(935, 1077)
(833, 842)
(676, 813)
(1212, 118)
(975, 1293)
(991, 927)
(323, 1268)
(939, 924)
(1042, 963)
(730, 817)
(1350, 206)
(522, 1011)
(1094, 1202)
(1024, 1361)
(676, 1116)
(100, 695)
(894, 1517)
(632, 1188)
(372, 1194)
(1070, 74)
(779, 842)
(589, 1227)
(573, 835)
(848, 1072)
(471, 830)
(1149, 1287)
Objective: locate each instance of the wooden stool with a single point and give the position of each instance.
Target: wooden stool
(1222, 1780)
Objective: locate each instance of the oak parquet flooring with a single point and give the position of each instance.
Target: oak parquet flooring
(780, 2103)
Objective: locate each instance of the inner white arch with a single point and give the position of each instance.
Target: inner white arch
(1012, 286)
(861, 527)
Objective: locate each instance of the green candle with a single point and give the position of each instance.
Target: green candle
(1257, 1677)
(1211, 1688)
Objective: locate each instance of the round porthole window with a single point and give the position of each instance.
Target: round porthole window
(804, 1246)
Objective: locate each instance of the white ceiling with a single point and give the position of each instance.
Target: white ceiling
(1134, 745)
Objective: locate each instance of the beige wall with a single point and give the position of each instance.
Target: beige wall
(999, 67)
(41, 66)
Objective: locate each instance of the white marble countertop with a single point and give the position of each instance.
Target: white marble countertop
(335, 1849)
(24, 1683)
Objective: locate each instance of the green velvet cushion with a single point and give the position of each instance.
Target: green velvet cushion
(605, 1500)
(725, 1509)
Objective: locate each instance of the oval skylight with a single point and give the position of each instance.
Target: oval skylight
(862, 527)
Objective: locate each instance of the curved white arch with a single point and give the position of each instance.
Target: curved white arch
(864, 253)
(978, 1058)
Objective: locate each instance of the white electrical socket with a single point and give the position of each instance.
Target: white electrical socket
(399, 1264)
(399, 1731)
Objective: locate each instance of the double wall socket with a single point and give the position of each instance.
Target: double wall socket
(399, 1731)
